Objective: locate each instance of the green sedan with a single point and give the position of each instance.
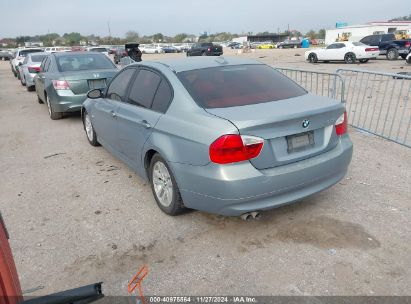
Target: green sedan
(65, 78)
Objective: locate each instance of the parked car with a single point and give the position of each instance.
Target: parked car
(6, 54)
(18, 57)
(265, 46)
(57, 49)
(151, 49)
(349, 52)
(29, 69)
(205, 49)
(289, 44)
(65, 78)
(235, 45)
(229, 136)
(101, 50)
(169, 49)
(388, 46)
(119, 53)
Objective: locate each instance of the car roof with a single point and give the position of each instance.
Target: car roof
(38, 53)
(60, 54)
(200, 62)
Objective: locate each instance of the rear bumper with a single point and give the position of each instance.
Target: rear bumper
(29, 79)
(235, 189)
(66, 101)
(214, 53)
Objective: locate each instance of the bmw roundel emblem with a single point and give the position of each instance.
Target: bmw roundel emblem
(305, 123)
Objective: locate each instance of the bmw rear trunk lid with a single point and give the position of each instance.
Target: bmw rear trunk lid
(293, 129)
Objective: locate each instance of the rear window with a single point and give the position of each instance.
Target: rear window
(37, 58)
(24, 53)
(358, 44)
(240, 85)
(80, 62)
(101, 50)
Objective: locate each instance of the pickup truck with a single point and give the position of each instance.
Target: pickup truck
(205, 49)
(388, 46)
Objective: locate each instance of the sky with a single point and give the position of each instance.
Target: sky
(170, 17)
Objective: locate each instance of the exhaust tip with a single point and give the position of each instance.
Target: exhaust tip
(247, 217)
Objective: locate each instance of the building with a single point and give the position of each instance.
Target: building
(356, 32)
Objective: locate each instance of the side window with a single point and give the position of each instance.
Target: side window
(163, 97)
(340, 46)
(46, 64)
(387, 38)
(366, 40)
(331, 46)
(144, 88)
(375, 40)
(118, 87)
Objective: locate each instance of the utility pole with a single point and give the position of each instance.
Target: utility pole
(109, 31)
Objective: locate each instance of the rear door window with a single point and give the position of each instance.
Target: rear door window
(118, 87)
(144, 88)
(163, 97)
(239, 85)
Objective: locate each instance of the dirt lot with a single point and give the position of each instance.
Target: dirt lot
(76, 215)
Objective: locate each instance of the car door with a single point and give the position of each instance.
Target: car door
(104, 110)
(137, 117)
(334, 51)
(40, 78)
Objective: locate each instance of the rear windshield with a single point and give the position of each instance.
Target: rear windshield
(239, 85)
(24, 53)
(80, 62)
(98, 50)
(359, 44)
(37, 58)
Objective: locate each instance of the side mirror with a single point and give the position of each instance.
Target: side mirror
(94, 94)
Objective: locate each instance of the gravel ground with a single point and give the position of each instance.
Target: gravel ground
(76, 215)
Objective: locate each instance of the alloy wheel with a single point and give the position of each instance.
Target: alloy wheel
(163, 185)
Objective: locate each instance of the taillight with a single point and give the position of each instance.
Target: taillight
(34, 70)
(61, 85)
(209, 49)
(235, 148)
(341, 125)
(371, 49)
(407, 44)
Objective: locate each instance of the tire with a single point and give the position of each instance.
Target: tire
(392, 54)
(350, 58)
(403, 56)
(89, 129)
(38, 99)
(408, 60)
(53, 115)
(280, 47)
(364, 60)
(312, 58)
(29, 88)
(22, 83)
(203, 54)
(171, 202)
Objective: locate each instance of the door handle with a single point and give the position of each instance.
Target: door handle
(144, 123)
(113, 114)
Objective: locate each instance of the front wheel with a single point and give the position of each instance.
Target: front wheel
(312, 58)
(364, 60)
(88, 127)
(164, 187)
(350, 58)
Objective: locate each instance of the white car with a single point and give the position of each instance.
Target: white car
(56, 49)
(19, 56)
(346, 51)
(151, 49)
(99, 49)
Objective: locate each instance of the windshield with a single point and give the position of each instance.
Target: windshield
(81, 62)
(101, 50)
(240, 85)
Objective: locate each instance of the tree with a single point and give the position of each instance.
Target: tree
(180, 37)
(132, 36)
(311, 34)
(72, 38)
(158, 37)
(321, 34)
(404, 18)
